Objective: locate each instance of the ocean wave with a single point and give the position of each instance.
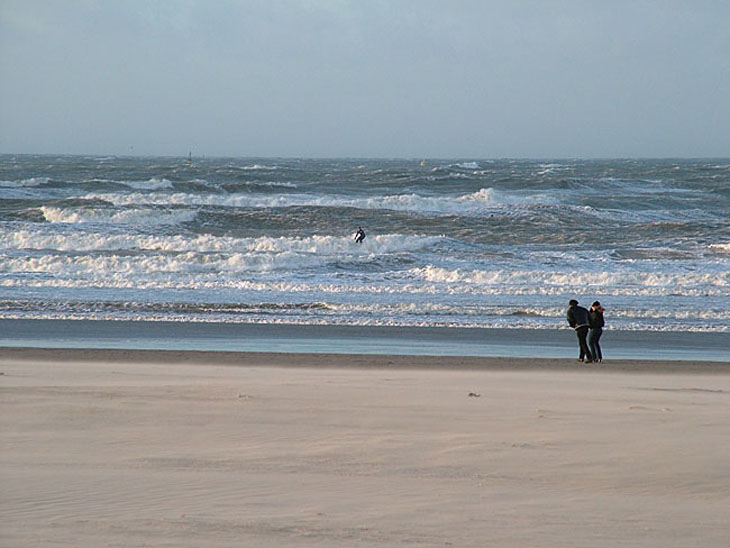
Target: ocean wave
(545, 282)
(719, 248)
(151, 184)
(549, 169)
(84, 306)
(481, 196)
(114, 268)
(31, 182)
(149, 217)
(98, 241)
(448, 244)
(319, 313)
(473, 203)
(390, 311)
(202, 255)
(226, 271)
(273, 184)
(468, 165)
(256, 167)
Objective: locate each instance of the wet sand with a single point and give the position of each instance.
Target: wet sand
(170, 448)
(338, 339)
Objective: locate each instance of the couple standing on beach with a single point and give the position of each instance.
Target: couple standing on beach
(583, 321)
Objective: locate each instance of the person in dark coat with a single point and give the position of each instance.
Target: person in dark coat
(596, 319)
(579, 320)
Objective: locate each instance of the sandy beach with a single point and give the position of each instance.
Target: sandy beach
(133, 448)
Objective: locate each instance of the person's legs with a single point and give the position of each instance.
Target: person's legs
(592, 343)
(582, 333)
(593, 338)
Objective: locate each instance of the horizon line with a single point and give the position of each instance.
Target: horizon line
(345, 157)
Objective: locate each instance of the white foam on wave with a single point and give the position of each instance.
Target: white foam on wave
(553, 283)
(185, 199)
(488, 323)
(276, 184)
(684, 315)
(113, 269)
(468, 165)
(467, 204)
(720, 248)
(484, 195)
(129, 217)
(205, 243)
(437, 309)
(151, 184)
(377, 314)
(408, 202)
(252, 167)
(548, 169)
(214, 282)
(203, 254)
(192, 270)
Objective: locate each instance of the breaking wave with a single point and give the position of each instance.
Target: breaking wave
(460, 242)
(128, 216)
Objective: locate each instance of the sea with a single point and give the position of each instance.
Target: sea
(467, 243)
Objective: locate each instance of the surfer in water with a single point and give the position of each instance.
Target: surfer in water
(359, 235)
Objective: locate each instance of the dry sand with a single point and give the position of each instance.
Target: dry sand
(181, 449)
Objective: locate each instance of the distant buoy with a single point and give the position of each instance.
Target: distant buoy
(423, 163)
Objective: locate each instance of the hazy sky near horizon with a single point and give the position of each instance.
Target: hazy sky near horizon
(369, 78)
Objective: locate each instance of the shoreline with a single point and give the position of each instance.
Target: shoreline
(372, 340)
(352, 361)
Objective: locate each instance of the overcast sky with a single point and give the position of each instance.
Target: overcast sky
(368, 78)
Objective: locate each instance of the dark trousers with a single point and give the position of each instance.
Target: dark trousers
(582, 333)
(593, 337)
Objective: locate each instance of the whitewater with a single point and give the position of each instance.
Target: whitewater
(450, 243)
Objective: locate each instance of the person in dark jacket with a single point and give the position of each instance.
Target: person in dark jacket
(579, 320)
(596, 318)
